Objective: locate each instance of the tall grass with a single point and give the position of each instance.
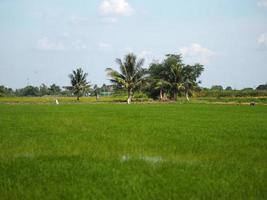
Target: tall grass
(232, 93)
(158, 151)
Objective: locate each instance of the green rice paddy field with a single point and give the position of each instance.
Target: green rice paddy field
(140, 151)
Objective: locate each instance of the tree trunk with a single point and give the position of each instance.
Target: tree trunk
(129, 100)
(175, 93)
(161, 94)
(165, 97)
(78, 98)
(96, 97)
(187, 96)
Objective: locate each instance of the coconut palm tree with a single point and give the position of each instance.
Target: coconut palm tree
(130, 76)
(172, 73)
(78, 82)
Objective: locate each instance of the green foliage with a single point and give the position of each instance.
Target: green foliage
(120, 93)
(190, 76)
(131, 75)
(172, 73)
(79, 85)
(217, 88)
(231, 93)
(157, 151)
(119, 96)
(228, 88)
(4, 91)
(247, 89)
(28, 91)
(66, 93)
(231, 100)
(174, 77)
(43, 90)
(157, 85)
(262, 87)
(54, 89)
(140, 97)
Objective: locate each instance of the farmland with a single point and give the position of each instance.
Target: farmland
(139, 151)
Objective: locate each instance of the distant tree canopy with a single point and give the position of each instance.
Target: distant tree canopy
(4, 91)
(174, 77)
(228, 88)
(163, 80)
(157, 86)
(190, 74)
(262, 87)
(247, 89)
(54, 89)
(43, 90)
(28, 91)
(217, 87)
(96, 91)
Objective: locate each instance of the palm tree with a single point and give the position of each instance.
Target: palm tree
(131, 75)
(78, 82)
(172, 73)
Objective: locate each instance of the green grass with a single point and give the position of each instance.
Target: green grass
(232, 100)
(52, 99)
(116, 151)
(121, 99)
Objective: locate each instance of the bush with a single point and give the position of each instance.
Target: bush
(140, 96)
(231, 93)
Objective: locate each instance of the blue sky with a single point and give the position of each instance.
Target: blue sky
(43, 41)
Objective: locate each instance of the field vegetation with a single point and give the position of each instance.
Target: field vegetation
(138, 98)
(152, 151)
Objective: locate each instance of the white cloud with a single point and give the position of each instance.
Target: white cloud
(68, 44)
(103, 45)
(78, 45)
(197, 53)
(46, 44)
(66, 35)
(262, 3)
(110, 20)
(74, 19)
(145, 53)
(262, 39)
(148, 56)
(116, 7)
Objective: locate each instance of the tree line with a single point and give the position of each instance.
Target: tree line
(161, 80)
(171, 76)
(52, 90)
